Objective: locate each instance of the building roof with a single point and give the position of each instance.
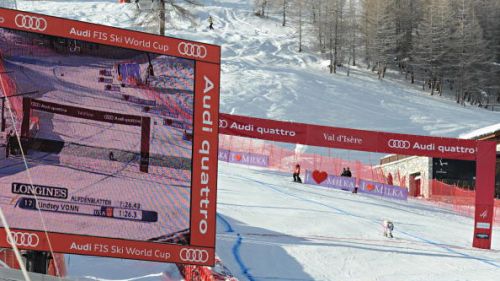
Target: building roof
(482, 133)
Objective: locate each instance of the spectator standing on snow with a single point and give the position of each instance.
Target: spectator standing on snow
(343, 174)
(211, 22)
(296, 174)
(348, 172)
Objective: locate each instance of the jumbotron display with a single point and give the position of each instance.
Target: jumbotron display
(110, 140)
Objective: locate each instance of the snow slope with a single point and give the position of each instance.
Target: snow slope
(270, 229)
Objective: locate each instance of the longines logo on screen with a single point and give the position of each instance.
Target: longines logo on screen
(23, 239)
(192, 50)
(30, 22)
(39, 190)
(194, 255)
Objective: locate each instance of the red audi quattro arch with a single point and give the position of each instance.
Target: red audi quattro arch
(483, 152)
(110, 173)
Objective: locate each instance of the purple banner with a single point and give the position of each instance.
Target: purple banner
(382, 189)
(247, 158)
(224, 155)
(323, 179)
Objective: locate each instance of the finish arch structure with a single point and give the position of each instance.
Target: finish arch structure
(483, 152)
(143, 122)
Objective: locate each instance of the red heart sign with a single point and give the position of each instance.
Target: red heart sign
(319, 176)
(370, 187)
(238, 157)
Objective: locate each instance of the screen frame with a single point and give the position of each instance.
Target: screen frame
(206, 57)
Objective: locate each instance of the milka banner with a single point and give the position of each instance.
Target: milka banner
(253, 159)
(324, 179)
(224, 155)
(382, 189)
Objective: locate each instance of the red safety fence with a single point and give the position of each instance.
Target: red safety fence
(219, 272)
(284, 159)
(460, 200)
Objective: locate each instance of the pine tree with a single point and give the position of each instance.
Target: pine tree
(154, 12)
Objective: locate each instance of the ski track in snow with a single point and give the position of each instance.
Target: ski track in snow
(406, 241)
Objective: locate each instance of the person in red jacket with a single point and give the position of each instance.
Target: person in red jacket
(296, 174)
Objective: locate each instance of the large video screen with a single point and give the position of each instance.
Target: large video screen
(109, 140)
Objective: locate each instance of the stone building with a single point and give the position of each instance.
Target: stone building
(416, 172)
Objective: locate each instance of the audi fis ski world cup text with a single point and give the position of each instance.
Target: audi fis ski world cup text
(115, 38)
(405, 144)
(120, 250)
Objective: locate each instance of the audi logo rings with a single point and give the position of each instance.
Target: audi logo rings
(30, 22)
(399, 144)
(2, 19)
(194, 255)
(222, 124)
(24, 239)
(192, 50)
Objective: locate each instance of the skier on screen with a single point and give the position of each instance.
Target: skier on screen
(7, 144)
(388, 228)
(296, 174)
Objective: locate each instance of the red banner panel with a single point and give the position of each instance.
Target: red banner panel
(344, 138)
(120, 132)
(485, 194)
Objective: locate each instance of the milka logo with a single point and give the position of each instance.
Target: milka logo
(339, 181)
(394, 192)
(252, 159)
(374, 187)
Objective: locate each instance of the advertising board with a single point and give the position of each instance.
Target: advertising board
(87, 157)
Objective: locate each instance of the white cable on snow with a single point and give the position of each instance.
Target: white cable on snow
(6, 99)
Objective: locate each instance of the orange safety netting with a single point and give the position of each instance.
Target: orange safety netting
(284, 159)
(461, 201)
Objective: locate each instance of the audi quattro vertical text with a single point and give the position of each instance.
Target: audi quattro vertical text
(205, 151)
